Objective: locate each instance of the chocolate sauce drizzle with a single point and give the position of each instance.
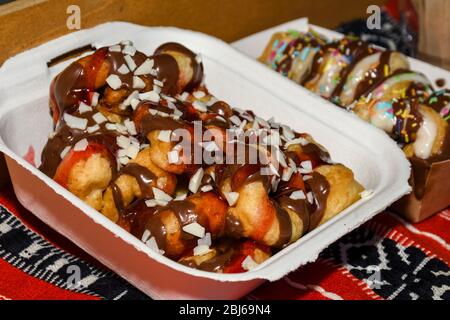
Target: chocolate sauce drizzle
(197, 67)
(82, 79)
(145, 179)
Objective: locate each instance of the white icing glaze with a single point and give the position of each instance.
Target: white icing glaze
(382, 116)
(334, 63)
(425, 137)
(301, 65)
(356, 75)
(389, 83)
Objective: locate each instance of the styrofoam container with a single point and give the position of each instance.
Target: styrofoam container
(24, 121)
(255, 44)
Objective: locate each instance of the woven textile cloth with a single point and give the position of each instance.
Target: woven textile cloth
(386, 258)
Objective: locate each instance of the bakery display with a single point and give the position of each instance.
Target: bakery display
(377, 85)
(141, 139)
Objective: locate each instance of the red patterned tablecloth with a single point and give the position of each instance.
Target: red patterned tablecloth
(386, 258)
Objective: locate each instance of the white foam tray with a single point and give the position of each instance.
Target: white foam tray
(255, 44)
(24, 121)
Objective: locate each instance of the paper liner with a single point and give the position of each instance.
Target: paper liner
(436, 196)
(25, 125)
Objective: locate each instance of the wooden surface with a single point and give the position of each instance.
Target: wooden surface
(434, 25)
(27, 23)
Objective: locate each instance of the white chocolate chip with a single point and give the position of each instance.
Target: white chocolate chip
(206, 188)
(134, 103)
(287, 173)
(201, 250)
(121, 153)
(123, 69)
(65, 151)
(150, 96)
(195, 229)
(306, 165)
(124, 160)
(158, 83)
(83, 107)
(199, 94)
(232, 197)
(94, 99)
(144, 68)
(151, 203)
(114, 81)
(132, 151)
(249, 263)
(200, 106)
(75, 122)
(235, 120)
(165, 135)
(297, 195)
(130, 62)
(288, 133)
(206, 240)
(99, 118)
(145, 236)
(111, 126)
(181, 197)
(131, 127)
(161, 195)
(129, 50)
(133, 95)
(151, 243)
(123, 142)
(310, 197)
(121, 128)
(81, 145)
(184, 96)
(138, 83)
(173, 157)
(114, 48)
(93, 128)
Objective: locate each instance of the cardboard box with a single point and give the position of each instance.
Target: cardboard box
(435, 198)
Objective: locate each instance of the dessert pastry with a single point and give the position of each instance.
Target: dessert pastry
(292, 53)
(378, 87)
(140, 139)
